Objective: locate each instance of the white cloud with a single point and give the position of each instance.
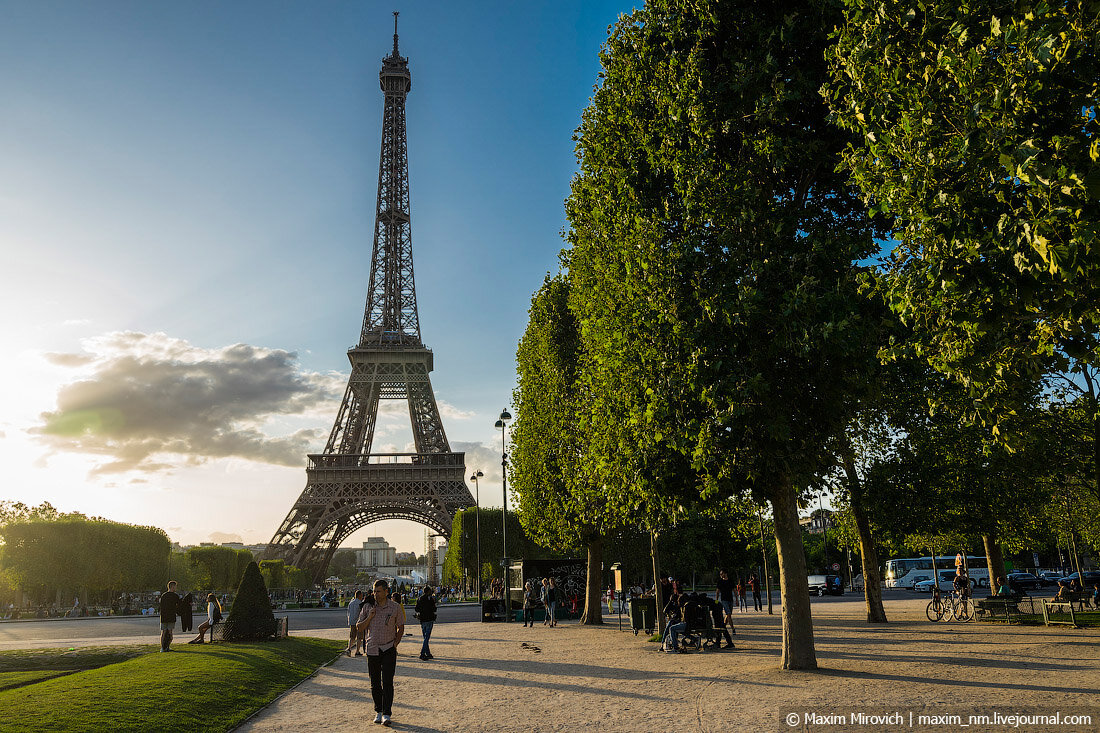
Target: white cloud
(451, 412)
(150, 402)
(480, 457)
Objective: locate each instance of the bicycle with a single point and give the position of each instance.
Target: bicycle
(960, 608)
(937, 607)
(963, 608)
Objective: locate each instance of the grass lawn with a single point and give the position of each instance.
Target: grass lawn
(9, 680)
(212, 687)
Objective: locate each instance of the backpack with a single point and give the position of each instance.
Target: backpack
(217, 614)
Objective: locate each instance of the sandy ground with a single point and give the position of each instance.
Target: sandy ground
(483, 679)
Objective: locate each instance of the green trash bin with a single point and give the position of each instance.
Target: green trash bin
(643, 614)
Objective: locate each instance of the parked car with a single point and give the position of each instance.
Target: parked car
(822, 584)
(947, 583)
(1092, 577)
(1018, 581)
(1049, 577)
(919, 579)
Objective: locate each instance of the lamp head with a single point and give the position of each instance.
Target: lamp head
(505, 415)
(499, 424)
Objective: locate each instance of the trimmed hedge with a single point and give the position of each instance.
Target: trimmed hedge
(250, 618)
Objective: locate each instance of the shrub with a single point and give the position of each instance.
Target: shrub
(250, 618)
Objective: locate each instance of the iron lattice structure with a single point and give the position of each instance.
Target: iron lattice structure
(347, 486)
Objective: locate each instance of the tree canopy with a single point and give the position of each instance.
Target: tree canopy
(978, 132)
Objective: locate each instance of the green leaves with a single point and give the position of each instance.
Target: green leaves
(978, 130)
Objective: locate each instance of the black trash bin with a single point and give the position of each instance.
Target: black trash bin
(492, 609)
(643, 614)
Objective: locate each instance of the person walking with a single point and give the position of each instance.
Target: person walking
(754, 586)
(552, 596)
(426, 611)
(724, 592)
(742, 603)
(383, 628)
(169, 607)
(213, 616)
(354, 605)
(529, 604)
(544, 596)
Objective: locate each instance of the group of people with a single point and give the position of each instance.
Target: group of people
(1071, 591)
(173, 606)
(730, 593)
(686, 613)
(548, 595)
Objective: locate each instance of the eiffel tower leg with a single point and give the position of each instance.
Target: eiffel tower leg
(424, 413)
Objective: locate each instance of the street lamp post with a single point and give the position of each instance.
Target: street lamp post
(502, 423)
(764, 552)
(477, 521)
(824, 529)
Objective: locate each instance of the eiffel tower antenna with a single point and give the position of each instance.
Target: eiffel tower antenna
(348, 486)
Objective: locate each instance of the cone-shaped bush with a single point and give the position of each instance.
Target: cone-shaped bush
(250, 618)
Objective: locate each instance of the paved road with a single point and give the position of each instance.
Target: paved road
(325, 623)
(328, 623)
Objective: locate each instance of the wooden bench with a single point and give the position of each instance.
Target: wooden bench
(282, 629)
(1006, 607)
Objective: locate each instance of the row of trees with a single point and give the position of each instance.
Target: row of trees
(45, 552)
(725, 332)
(698, 542)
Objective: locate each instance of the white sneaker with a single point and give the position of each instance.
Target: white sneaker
(385, 720)
(378, 717)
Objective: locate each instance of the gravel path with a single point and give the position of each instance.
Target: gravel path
(485, 679)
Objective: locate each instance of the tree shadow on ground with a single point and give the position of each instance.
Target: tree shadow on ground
(949, 661)
(991, 685)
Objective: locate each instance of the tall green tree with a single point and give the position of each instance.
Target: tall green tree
(714, 268)
(978, 131)
(558, 507)
(217, 567)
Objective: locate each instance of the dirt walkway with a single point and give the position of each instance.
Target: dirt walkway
(484, 679)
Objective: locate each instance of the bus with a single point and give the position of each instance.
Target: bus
(905, 572)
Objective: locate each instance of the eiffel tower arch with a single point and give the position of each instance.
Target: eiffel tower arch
(348, 486)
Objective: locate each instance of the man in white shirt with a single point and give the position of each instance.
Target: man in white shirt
(384, 625)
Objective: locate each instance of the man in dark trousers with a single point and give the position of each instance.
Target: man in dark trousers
(169, 605)
(754, 586)
(426, 612)
(384, 625)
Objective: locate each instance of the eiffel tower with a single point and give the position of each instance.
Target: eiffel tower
(347, 486)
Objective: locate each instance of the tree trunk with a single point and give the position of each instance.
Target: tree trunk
(593, 600)
(1096, 449)
(659, 622)
(994, 559)
(1076, 560)
(798, 630)
(868, 553)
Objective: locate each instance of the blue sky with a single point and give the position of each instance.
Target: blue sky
(200, 175)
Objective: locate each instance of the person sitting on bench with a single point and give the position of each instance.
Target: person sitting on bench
(718, 621)
(676, 624)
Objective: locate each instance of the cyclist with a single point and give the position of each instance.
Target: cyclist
(962, 585)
